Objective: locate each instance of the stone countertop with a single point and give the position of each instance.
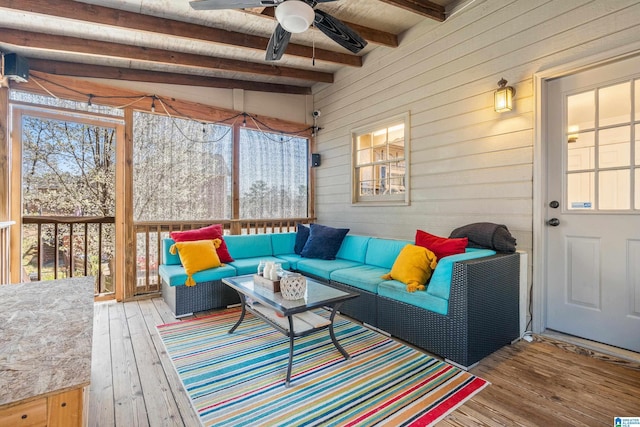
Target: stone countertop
(46, 331)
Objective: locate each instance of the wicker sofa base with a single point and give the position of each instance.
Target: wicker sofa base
(362, 308)
(483, 313)
(185, 300)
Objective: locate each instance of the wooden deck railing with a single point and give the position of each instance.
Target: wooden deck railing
(4, 251)
(68, 246)
(149, 235)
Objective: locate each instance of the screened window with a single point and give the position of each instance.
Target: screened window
(182, 169)
(380, 162)
(273, 172)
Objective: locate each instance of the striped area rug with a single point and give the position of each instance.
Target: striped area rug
(238, 379)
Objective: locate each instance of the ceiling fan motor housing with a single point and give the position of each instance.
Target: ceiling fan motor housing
(295, 16)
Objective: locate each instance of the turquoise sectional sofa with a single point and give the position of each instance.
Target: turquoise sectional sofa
(469, 309)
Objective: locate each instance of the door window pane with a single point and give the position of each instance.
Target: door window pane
(614, 191)
(581, 111)
(603, 149)
(581, 152)
(580, 189)
(614, 148)
(614, 104)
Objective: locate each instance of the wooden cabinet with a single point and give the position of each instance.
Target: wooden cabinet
(47, 331)
(30, 414)
(60, 410)
(65, 409)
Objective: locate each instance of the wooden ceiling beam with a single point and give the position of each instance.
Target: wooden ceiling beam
(116, 50)
(421, 7)
(78, 90)
(79, 11)
(72, 69)
(378, 37)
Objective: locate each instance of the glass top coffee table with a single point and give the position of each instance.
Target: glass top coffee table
(293, 318)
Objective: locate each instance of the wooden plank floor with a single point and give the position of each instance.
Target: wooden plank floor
(546, 382)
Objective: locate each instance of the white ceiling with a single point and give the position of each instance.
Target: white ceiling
(374, 14)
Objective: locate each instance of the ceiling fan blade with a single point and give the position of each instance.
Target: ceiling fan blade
(277, 43)
(338, 31)
(232, 4)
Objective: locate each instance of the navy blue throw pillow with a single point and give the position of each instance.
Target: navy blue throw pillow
(301, 238)
(323, 242)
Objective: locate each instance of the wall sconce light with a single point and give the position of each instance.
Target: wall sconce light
(503, 97)
(573, 134)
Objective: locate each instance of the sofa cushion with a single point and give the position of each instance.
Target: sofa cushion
(353, 248)
(395, 290)
(440, 283)
(214, 231)
(323, 268)
(365, 277)
(249, 246)
(167, 257)
(383, 252)
(302, 235)
(197, 255)
(292, 259)
(250, 265)
(413, 267)
(283, 243)
(441, 246)
(323, 242)
(175, 275)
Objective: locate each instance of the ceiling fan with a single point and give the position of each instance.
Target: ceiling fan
(294, 16)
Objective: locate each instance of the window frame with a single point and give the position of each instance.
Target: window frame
(397, 199)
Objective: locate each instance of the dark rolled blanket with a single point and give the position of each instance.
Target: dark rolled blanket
(487, 235)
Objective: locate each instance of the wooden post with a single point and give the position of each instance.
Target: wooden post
(125, 247)
(5, 262)
(4, 154)
(235, 185)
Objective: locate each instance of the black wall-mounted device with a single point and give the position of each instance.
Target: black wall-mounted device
(315, 160)
(15, 67)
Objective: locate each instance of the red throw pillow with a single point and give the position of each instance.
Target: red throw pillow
(210, 232)
(441, 246)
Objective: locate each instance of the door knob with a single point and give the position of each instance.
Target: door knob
(554, 222)
(554, 204)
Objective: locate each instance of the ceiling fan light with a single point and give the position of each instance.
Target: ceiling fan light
(295, 16)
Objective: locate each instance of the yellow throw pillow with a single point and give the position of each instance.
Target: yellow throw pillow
(413, 267)
(196, 256)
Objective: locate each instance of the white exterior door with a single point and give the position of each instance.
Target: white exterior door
(593, 204)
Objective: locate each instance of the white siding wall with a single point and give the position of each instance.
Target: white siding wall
(468, 163)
